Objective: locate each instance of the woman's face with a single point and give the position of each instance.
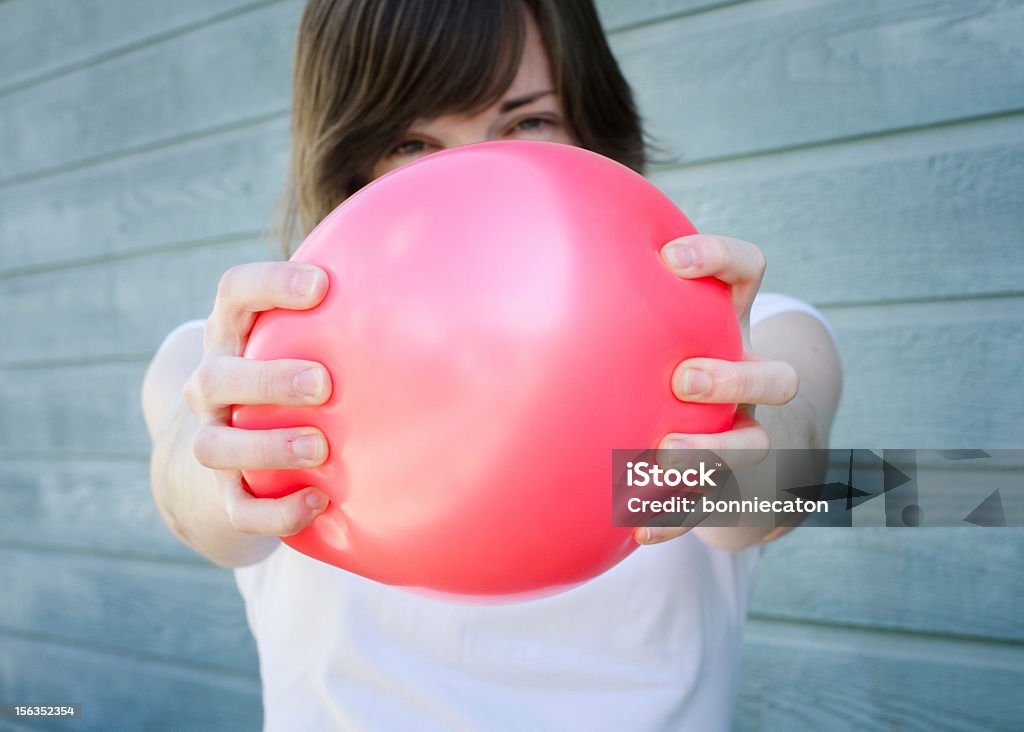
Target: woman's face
(528, 110)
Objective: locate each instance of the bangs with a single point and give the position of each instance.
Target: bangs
(441, 57)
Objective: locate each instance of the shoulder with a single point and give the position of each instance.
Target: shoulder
(781, 324)
(771, 304)
(172, 364)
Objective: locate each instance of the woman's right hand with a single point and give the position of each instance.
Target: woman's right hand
(224, 378)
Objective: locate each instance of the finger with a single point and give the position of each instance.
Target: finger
(227, 380)
(271, 516)
(228, 448)
(747, 443)
(733, 261)
(704, 255)
(656, 534)
(247, 289)
(735, 382)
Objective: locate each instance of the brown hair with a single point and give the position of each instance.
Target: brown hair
(365, 70)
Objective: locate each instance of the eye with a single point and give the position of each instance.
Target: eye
(408, 147)
(535, 127)
(531, 123)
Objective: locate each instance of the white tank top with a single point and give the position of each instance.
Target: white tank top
(652, 644)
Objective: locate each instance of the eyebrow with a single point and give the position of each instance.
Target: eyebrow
(509, 104)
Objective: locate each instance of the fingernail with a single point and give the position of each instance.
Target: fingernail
(681, 256)
(308, 447)
(674, 443)
(316, 500)
(309, 382)
(305, 284)
(655, 534)
(695, 382)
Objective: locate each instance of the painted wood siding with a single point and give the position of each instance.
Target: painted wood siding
(875, 150)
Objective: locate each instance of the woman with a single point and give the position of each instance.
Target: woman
(653, 643)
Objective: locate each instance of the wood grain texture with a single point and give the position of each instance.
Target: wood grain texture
(768, 75)
(932, 214)
(834, 680)
(217, 75)
(88, 410)
(126, 693)
(958, 582)
(616, 14)
(39, 37)
(216, 186)
(102, 506)
(931, 375)
(131, 606)
(122, 308)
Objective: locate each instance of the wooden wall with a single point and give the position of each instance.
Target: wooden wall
(875, 150)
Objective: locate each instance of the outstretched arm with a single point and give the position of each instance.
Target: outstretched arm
(787, 385)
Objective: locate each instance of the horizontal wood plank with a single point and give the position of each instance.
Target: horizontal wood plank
(215, 76)
(88, 410)
(618, 14)
(94, 505)
(215, 186)
(189, 613)
(120, 692)
(878, 219)
(115, 309)
(940, 375)
(960, 582)
(768, 75)
(833, 679)
(38, 37)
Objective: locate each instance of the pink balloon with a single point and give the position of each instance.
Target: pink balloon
(498, 320)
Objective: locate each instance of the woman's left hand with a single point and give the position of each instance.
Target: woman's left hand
(750, 382)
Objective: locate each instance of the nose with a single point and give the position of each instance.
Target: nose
(469, 131)
(468, 140)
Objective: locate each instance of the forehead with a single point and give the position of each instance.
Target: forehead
(534, 67)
